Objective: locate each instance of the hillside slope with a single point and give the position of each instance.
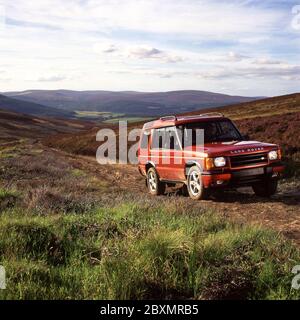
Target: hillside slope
(32, 108)
(18, 126)
(128, 102)
(259, 108)
(276, 120)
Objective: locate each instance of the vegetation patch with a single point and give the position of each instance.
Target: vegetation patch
(8, 198)
(137, 251)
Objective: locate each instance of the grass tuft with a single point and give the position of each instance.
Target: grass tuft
(137, 251)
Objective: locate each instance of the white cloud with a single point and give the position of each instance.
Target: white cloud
(105, 48)
(188, 17)
(144, 52)
(198, 43)
(137, 52)
(266, 61)
(233, 56)
(52, 78)
(287, 72)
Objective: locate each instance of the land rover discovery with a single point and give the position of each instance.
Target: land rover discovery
(170, 154)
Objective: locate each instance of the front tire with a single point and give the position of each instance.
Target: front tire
(155, 186)
(195, 185)
(266, 188)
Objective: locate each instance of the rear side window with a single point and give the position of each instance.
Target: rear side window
(165, 138)
(171, 141)
(158, 136)
(144, 140)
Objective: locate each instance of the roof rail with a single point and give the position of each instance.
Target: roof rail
(209, 114)
(212, 114)
(166, 118)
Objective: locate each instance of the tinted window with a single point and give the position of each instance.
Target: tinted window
(214, 131)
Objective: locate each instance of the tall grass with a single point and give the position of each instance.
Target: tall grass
(136, 251)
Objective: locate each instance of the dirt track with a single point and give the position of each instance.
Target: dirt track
(281, 212)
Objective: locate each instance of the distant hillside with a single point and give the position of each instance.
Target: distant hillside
(32, 108)
(275, 120)
(129, 102)
(259, 108)
(18, 126)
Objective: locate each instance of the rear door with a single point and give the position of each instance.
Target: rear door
(172, 161)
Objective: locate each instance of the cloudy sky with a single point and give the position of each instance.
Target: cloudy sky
(236, 47)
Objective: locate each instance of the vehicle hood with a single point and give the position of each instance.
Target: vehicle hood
(236, 147)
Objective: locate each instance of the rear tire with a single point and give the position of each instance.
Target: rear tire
(266, 188)
(155, 186)
(195, 185)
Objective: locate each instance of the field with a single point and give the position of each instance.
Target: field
(108, 117)
(73, 229)
(128, 119)
(93, 115)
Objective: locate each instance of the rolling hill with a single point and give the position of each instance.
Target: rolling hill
(276, 120)
(128, 102)
(258, 108)
(17, 126)
(31, 108)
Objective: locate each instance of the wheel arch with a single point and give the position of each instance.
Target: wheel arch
(190, 164)
(149, 164)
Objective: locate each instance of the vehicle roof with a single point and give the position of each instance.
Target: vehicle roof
(169, 121)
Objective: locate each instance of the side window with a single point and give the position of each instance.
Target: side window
(144, 140)
(171, 141)
(158, 138)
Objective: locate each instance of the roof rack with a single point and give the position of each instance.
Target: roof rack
(209, 114)
(168, 118)
(212, 114)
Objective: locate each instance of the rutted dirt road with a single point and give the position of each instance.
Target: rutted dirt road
(281, 212)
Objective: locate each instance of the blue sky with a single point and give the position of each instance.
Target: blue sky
(236, 47)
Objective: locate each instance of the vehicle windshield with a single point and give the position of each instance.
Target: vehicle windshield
(214, 131)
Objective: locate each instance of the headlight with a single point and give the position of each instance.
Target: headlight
(220, 162)
(273, 155)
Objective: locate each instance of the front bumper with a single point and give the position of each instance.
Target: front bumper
(244, 177)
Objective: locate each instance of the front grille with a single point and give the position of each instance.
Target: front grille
(246, 180)
(245, 160)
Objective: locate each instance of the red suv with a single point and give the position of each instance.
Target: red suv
(170, 153)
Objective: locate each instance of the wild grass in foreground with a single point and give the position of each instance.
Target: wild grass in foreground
(136, 251)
